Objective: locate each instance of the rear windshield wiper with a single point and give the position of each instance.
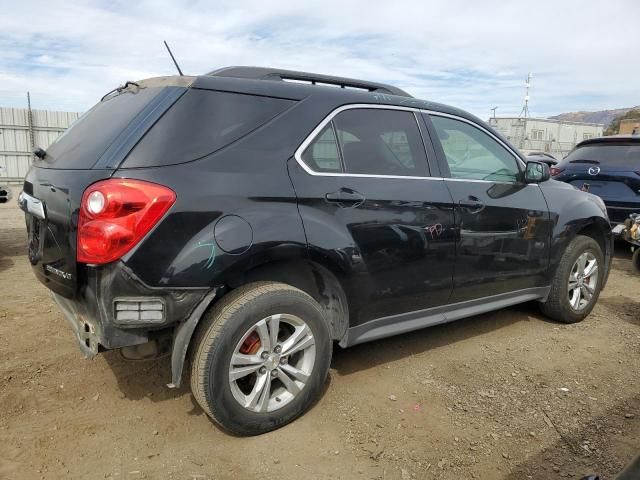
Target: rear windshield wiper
(120, 88)
(595, 162)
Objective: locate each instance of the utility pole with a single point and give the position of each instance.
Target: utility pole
(493, 115)
(32, 140)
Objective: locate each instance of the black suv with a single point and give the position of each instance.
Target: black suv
(249, 218)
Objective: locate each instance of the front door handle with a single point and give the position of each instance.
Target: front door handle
(472, 204)
(345, 198)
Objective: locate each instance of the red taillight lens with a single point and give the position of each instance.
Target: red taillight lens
(115, 214)
(555, 171)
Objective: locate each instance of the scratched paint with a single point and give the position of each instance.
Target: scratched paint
(212, 254)
(435, 230)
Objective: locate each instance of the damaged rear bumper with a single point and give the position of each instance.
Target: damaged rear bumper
(114, 309)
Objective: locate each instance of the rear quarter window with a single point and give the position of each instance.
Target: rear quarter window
(200, 123)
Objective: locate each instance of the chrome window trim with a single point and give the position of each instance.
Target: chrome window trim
(314, 133)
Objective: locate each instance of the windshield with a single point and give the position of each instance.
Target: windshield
(624, 154)
(82, 144)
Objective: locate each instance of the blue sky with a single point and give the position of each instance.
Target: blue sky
(473, 55)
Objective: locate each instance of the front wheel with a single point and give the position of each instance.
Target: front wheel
(577, 282)
(261, 358)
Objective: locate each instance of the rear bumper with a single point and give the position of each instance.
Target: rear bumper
(96, 312)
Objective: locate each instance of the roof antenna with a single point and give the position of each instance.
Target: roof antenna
(173, 58)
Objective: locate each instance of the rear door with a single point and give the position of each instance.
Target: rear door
(503, 228)
(370, 208)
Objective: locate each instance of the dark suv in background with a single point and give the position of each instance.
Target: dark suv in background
(251, 217)
(610, 166)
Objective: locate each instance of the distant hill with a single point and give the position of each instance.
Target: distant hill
(603, 116)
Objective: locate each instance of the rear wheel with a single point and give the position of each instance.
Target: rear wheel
(261, 358)
(577, 282)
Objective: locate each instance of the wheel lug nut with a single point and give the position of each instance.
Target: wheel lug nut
(263, 370)
(274, 373)
(278, 349)
(283, 360)
(264, 354)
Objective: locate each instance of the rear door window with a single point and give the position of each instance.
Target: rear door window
(202, 122)
(371, 142)
(381, 142)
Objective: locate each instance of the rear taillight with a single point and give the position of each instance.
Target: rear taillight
(555, 171)
(115, 214)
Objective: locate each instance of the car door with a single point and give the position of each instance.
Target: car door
(371, 211)
(503, 227)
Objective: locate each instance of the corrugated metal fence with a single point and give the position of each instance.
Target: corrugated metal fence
(18, 132)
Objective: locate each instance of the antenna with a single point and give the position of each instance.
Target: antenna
(524, 113)
(173, 58)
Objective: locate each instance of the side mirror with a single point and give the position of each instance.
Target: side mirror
(536, 172)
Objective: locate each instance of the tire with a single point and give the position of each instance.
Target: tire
(229, 331)
(635, 260)
(558, 305)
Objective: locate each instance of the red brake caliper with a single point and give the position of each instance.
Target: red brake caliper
(251, 344)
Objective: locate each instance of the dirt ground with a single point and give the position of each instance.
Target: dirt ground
(503, 395)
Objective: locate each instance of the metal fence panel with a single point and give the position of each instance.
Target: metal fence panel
(15, 141)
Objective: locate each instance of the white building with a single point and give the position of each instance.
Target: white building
(545, 135)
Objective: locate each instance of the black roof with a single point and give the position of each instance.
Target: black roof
(610, 139)
(262, 73)
(300, 85)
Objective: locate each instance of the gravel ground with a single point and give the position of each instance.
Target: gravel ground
(503, 395)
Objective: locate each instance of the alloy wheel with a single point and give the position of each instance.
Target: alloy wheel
(272, 363)
(583, 280)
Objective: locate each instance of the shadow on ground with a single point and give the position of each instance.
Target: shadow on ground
(145, 378)
(603, 445)
(368, 355)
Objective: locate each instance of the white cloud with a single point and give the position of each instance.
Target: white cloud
(473, 55)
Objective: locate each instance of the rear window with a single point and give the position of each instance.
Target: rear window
(623, 154)
(200, 123)
(83, 143)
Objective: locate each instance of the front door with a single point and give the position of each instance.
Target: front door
(502, 223)
(370, 209)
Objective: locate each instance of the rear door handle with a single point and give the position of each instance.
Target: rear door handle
(472, 204)
(345, 198)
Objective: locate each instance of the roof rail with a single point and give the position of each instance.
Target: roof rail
(262, 73)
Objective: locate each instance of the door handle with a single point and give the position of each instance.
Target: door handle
(472, 204)
(345, 198)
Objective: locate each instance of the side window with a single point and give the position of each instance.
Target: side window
(472, 154)
(322, 154)
(380, 142)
